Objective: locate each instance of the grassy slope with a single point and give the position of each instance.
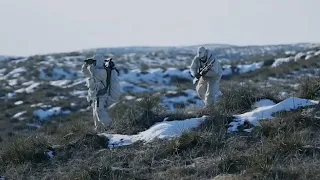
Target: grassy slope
(285, 148)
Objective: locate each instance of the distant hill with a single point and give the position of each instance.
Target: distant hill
(221, 50)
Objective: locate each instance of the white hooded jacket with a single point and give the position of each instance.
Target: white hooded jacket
(97, 80)
(214, 73)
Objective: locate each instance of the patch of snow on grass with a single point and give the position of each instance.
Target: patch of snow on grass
(76, 82)
(162, 130)
(13, 82)
(44, 114)
(249, 67)
(19, 114)
(29, 89)
(16, 71)
(280, 61)
(57, 73)
(36, 105)
(263, 102)
(299, 56)
(79, 93)
(157, 75)
(308, 57)
(33, 125)
(161, 88)
(226, 70)
(59, 98)
(50, 154)
(129, 98)
(174, 72)
(2, 71)
(265, 111)
(18, 103)
(60, 83)
(11, 95)
(28, 83)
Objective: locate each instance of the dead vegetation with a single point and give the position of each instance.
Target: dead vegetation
(285, 148)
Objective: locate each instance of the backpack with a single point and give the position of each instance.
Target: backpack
(109, 68)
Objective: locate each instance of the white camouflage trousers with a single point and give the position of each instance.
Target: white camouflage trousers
(207, 90)
(100, 114)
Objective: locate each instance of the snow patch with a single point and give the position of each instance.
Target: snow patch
(56, 73)
(18, 103)
(308, 57)
(226, 70)
(76, 82)
(50, 154)
(161, 88)
(36, 105)
(45, 114)
(265, 111)
(3, 70)
(157, 76)
(174, 72)
(28, 83)
(21, 60)
(79, 93)
(59, 98)
(16, 71)
(29, 89)
(13, 82)
(188, 98)
(60, 83)
(299, 56)
(280, 61)
(19, 114)
(249, 67)
(290, 52)
(11, 95)
(33, 125)
(162, 130)
(129, 98)
(263, 102)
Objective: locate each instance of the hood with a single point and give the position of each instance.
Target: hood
(99, 60)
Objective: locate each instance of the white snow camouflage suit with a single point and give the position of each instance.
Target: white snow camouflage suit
(96, 75)
(208, 85)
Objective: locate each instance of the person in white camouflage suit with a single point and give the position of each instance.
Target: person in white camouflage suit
(104, 88)
(207, 72)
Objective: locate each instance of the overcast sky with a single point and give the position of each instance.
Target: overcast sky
(30, 27)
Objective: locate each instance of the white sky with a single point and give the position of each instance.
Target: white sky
(42, 26)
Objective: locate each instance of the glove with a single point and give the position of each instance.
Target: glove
(198, 75)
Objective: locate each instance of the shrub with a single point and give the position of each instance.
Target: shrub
(268, 62)
(240, 97)
(137, 116)
(24, 149)
(308, 87)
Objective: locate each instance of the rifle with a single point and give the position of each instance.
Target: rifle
(89, 61)
(204, 70)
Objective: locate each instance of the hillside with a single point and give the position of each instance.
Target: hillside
(264, 127)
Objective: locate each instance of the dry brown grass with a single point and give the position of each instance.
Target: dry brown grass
(309, 87)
